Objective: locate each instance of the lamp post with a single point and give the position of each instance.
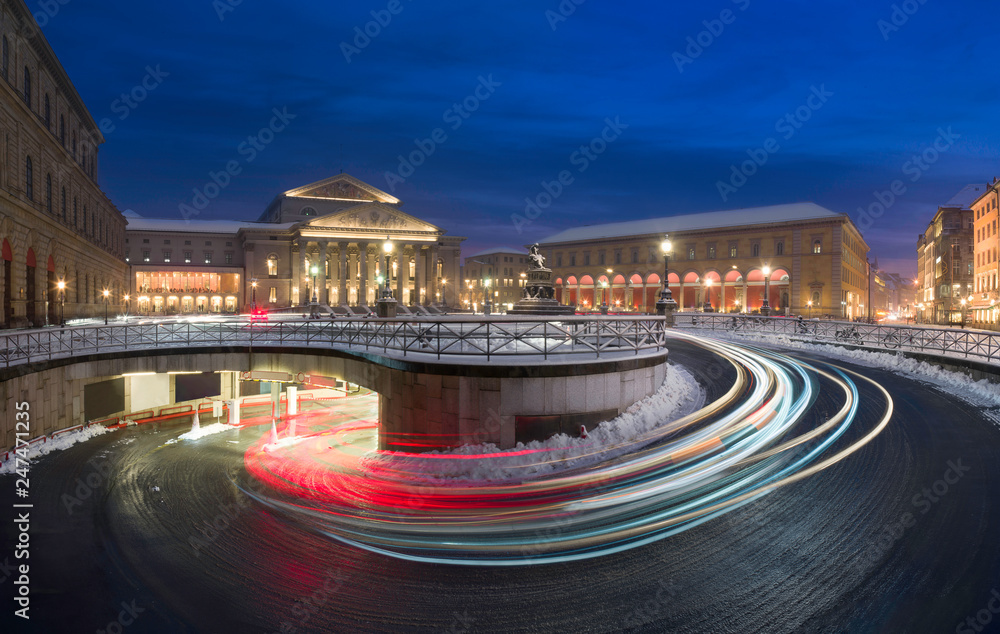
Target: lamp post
(253, 295)
(666, 306)
(708, 297)
(963, 302)
(386, 304)
(127, 306)
(810, 305)
(487, 303)
(315, 294)
(765, 308)
(604, 297)
(62, 303)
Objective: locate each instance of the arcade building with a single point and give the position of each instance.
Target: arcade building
(810, 260)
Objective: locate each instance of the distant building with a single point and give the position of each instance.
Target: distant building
(893, 295)
(719, 258)
(322, 242)
(496, 272)
(946, 260)
(986, 292)
(56, 224)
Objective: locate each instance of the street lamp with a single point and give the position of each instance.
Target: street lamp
(487, 303)
(126, 298)
(315, 295)
(963, 302)
(666, 306)
(765, 308)
(708, 296)
(604, 297)
(810, 305)
(253, 295)
(61, 285)
(106, 293)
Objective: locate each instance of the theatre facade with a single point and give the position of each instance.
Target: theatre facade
(811, 260)
(325, 243)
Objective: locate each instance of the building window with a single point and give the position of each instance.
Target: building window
(817, 247)
(166, 256)
(208, 257)
(74, 146)
(308, 211)
(187, 243)
(145, 256)
(64, 204)
(635, 256)
(48, 193)
(600, 258)
(732, 250)
(618, 257)
(711, 253)
(229, 244)
(29, 179)
(48, 113)
(76, 219)
(273, 295)
(690, 253)
(166, 242)
(27, 86)
(187, 257)
(559, 260)
(572, 259)
(586, 259)
(755, 250)
(62, 130)
(272, 266)
(779, 249)
(229, 257)
(208, 243)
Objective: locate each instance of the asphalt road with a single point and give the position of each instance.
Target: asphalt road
(880, 542)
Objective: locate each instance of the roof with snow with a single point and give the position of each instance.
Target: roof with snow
(179, 225)
(697, 222)
(965, 198)
(508, 250)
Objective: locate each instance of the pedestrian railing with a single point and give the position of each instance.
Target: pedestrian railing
(442, 338)
(938, 340)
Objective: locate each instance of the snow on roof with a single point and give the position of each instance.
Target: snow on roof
(695, 222)
(498, 250)
(179, 225)
(965, 198)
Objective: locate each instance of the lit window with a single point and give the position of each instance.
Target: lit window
(755, 250)
(272, 266)
(145, 256)
(166, 256)
(817, 247)
(779, 249)
(187, 257)
(208, 257)
(273, 296)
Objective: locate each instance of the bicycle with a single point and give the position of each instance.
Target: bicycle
(850, 333)
(897, 339)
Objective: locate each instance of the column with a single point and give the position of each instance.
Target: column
(418, 264)
(401, 269)
(746, 296)
(321, 274)
(363, 287)
(432, 282)
(303, 245)
(722, 298)
(342, 298)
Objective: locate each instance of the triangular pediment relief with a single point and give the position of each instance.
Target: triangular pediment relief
(375, 217)
(343, 187)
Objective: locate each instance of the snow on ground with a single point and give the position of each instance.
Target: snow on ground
(60, 442)
(679, 395)
(208, 430)
(979, 393)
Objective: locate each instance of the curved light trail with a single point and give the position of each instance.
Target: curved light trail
(762, 434)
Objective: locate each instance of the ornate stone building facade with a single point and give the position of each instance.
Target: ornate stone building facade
(719, 259)
(56, 224)
(324, 241)
(946, 260)
(985, 308)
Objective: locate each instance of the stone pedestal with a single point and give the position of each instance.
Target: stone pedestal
(539, 296)
(386, 307)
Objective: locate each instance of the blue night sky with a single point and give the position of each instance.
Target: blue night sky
(887, 91)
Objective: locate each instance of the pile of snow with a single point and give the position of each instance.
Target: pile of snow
(679, 395)
(210, 430)
(39, 449)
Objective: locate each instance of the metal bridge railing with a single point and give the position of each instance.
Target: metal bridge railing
(447, 337)
(983, 346)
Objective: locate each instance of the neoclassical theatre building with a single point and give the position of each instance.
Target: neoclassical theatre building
(813, 255)
(56, 224)
(325, 241)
